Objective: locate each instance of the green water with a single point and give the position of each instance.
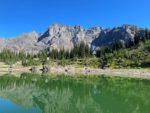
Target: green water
(36, 94)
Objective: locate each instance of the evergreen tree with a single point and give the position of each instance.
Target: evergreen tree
(87, 51)
(136, 39)
(82, 50)
(147, 34)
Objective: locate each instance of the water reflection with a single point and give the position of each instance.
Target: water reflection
(7, 106)
(77, 95)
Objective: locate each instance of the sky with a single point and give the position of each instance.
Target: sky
(20, 16)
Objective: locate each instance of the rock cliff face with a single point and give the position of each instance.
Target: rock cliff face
(26, 42)
(59, 36)
(2, 44)
(122, 34)
(64, 37)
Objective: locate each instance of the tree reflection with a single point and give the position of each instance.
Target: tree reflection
(86, 95)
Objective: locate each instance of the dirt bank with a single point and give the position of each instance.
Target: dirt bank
(18, 69)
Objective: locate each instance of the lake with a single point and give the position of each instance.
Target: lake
(62, 94)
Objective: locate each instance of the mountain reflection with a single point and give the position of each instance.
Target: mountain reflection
(77, 95)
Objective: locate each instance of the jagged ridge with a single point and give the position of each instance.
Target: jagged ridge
(61, 36)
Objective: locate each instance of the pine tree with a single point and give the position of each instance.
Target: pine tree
(67, 54)
(147, 34)
(87, 51)
(82, 50)
(136, 39)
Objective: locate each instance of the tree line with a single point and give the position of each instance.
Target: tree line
(81, 50)
(119, 54)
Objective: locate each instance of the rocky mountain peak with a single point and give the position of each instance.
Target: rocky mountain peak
(60, 36)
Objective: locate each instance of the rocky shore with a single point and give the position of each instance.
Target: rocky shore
(70, 70)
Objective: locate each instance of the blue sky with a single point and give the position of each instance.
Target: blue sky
(20, 16)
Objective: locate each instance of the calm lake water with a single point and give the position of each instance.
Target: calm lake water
(36, 94)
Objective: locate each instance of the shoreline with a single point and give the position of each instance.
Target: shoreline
(70, 70)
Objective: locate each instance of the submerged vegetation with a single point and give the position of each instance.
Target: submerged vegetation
(130, 55)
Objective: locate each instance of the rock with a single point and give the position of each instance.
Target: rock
(65, 37)
(33, 69)
(45, 69)
(121, 34)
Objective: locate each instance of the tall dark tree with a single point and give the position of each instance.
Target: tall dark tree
(147, 34)
(117, 45)
(136, 39)
(87, 51)
(82, 50)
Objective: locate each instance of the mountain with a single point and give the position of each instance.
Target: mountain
(2, 43)
(65, 37)
(59, 36)
(122, 34)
